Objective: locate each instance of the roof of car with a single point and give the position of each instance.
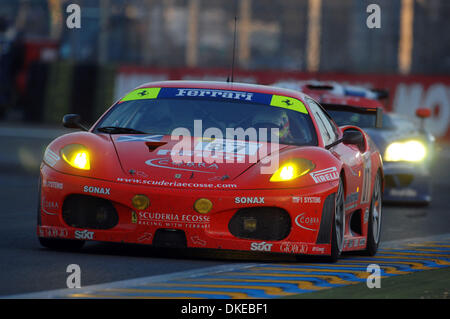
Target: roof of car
(217, 85)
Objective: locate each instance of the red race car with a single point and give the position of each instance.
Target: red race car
(213, 165)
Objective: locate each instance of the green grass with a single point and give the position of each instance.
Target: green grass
(428, 284)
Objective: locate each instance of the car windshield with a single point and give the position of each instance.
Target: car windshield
(360, 119)
(164, 115)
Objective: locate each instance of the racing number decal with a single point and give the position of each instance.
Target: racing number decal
(230, 147)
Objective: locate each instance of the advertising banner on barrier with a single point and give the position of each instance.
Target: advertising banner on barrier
(406, 92)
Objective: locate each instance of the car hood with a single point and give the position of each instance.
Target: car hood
(159, 157)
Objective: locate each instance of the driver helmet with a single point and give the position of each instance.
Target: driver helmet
(274, 119)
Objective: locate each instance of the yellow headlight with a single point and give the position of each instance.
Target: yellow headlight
(76, 155)
(410, 151)
(293, 169)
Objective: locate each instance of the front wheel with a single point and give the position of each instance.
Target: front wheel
(374, 227)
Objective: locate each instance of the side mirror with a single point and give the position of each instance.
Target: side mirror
(423, 113)
(73, 121)
(354, 137)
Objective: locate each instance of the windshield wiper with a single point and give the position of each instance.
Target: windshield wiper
(119, 130)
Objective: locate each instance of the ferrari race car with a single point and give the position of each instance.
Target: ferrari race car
(213, 165)
(407, 148)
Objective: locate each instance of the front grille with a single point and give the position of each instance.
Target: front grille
(170, 238)
(82, 211)
(260, 223)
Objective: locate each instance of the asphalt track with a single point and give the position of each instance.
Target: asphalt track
(271, 280)
(28, 268)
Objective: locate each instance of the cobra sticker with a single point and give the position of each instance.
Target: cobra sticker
(307, 222)
(190, 166)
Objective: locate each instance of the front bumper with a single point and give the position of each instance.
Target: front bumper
(406, 182)
(172, 209)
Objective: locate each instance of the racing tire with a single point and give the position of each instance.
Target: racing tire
(61, 244)
(338, 229)
(374, 227)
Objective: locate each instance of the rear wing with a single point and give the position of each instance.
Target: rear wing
(376, 111)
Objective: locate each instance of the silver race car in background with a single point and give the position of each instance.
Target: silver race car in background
(407, 148)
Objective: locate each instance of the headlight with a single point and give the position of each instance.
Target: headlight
(293, 169)
(76, 155)
(411, 151)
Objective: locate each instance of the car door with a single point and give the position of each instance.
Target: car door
(353, 159)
